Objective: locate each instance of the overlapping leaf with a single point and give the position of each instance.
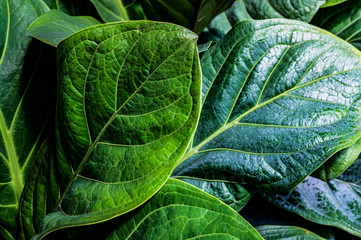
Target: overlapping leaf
(129, 99)
(280, 97)
(271, 232)
(290, 9)
(192, 14)
(22, 117)
(336, 203)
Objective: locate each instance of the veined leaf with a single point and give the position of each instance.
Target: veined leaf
(178, 211)
(343, 20)
(192, 14)
(271, 232)
(111, 10)
(232, 194)
(128, 104)
(336, 203)
(22, 118)
(352, 174)
(273, 112)
(290, 9)
(55, 25)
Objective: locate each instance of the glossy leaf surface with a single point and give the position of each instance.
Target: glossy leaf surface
(22, 117)
(55, 25)
(129, 99)
(111, 10)
(336, 203)
(272, 112)
(271, 232)
(232, 194)
(330, 3)
(343, 20)
(192, 14)
(290, 9)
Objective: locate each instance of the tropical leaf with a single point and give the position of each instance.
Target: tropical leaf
(111, 10)
(22, 117)
(272, 113)
(232, 194)
(177, 211)
(330, 3)
(128, 104)
(343, 20)
(290, 9)
(55, 25)
(336, 203)
(272, 232)
(192, 14)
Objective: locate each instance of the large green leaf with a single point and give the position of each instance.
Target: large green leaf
(192, 14)
(177, 211)
(232, 194)
(128, 104)
(343, 20)
(280, 97)
(336, 203)
(111, 10)
(22, 117)
(55, 25)
(299, 10)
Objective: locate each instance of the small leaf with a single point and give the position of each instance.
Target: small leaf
(232, 194)
(111, 10)
(336, 203)
(290, 9)
(330, 3)
(272, 112)
(54, 26)
(128, 106)
(342, 20)
(194, 15)
(272, 232)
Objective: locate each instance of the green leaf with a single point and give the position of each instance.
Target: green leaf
(339, 162)
(40, 193)
(111, 10)
(232, 194)
(259, 212)
(298, 10)
(128, 104)
(178, 211)
(224, 22)
(192, 14)
(22, 117)
(273, 112)
(352, 174)
(336, 203)
(54, 26)
(343, 20)
(271, 232)
(330, 3)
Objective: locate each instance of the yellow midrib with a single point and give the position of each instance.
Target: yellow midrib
(14, 167)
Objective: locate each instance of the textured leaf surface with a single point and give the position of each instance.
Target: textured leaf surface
(279, 98)
(178, 211)
(192, 14)
(336, 203)
(22, 118)
(129, 99)
(232, 194)
(343, 20)
(271, 232)
(55, 25)
(299, 10)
